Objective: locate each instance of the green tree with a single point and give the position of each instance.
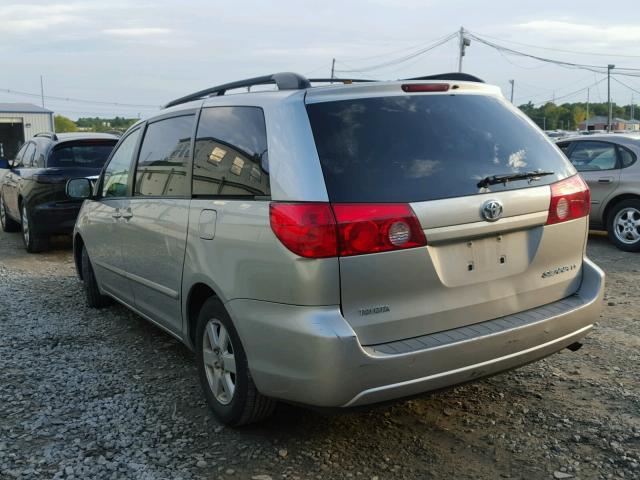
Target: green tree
(64, 124)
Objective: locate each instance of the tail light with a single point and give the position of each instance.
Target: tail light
(425, 87)
(367, 228)
(307, 229)
(570, 199)
(320, 230)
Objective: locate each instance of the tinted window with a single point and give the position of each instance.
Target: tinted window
(626, 156)
(426, 147)
(91, 154)
(590, 156)
(164, 158)
(116, 174)
(564, 147)
(231, 153)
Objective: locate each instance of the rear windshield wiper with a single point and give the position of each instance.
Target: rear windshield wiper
(510, 177)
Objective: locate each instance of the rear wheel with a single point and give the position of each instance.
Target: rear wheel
(92, 293)
(33, 242)
(624, 225)
(224, 371)
(8, 224)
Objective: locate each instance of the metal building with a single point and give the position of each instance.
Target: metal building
(18, 123)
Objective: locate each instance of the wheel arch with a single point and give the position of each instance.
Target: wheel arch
(78, 243)
(613, 202)
(199, 293)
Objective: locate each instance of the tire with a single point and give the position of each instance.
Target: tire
(33, 242)
(7, 223)
(92, 293)
(623, 225)
(233, 398)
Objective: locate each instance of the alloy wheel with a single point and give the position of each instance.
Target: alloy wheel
(25, 225)
(626, 225)
(219, 361)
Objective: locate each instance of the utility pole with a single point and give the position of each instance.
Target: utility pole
(42, 90)
(512, 82)
(609, 68)
(544, 123)
(463, 43)
(586, 121)
(333, 68)
(633, 117)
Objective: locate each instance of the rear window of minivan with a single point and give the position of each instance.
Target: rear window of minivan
(426, 147)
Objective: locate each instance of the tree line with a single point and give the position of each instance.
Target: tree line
(568, 116)
(92, 124)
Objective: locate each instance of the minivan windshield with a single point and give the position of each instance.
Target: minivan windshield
(426, 147)
(83, 154)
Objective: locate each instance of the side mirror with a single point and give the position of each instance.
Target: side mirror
(4, 163)
(79, 188)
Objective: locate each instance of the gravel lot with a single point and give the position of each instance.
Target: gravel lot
(87, 394)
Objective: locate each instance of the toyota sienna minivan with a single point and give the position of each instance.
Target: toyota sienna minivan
(342, 244)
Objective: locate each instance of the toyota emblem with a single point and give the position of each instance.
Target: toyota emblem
(492, 210)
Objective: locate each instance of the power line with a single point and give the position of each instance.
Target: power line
(562, 50)
(625, 85)
(562, 63)
(402, 59)
(77, 100)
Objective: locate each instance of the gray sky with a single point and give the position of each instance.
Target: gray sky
(147, 53)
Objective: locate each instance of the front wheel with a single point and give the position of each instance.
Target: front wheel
(8, 224)
(224, 370)
(33, 242)
(623, 225)
(92, 293)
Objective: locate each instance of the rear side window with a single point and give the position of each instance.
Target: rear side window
(85, 154)
(590, 156)
(164, 158)
(231, 153)
(426, 147)
(626, 156)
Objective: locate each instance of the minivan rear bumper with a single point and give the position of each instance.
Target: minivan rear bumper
(311, 355)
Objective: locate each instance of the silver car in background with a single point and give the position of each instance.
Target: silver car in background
(608, 163)
(345, 244)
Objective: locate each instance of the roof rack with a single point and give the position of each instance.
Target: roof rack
(459, 76)
(346, 81)
(294, 81)
(50, 135)
(284, 81)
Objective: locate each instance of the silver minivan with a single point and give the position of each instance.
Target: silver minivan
(344, 244)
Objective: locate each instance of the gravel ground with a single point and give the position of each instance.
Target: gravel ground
(87, 394)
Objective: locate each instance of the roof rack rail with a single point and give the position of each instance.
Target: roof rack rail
(50, 135)
(346, 81)
(462, 77)
(284, 81)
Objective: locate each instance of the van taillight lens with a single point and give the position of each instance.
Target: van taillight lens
(372, 228)
(320, 230)
(570, 199)
(307, 229)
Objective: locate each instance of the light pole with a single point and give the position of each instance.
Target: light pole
(512, 83)
(609, 68)
(463, 42)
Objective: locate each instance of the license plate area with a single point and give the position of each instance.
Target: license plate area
(482, 259)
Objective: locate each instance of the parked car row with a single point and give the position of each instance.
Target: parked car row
(32, 191)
